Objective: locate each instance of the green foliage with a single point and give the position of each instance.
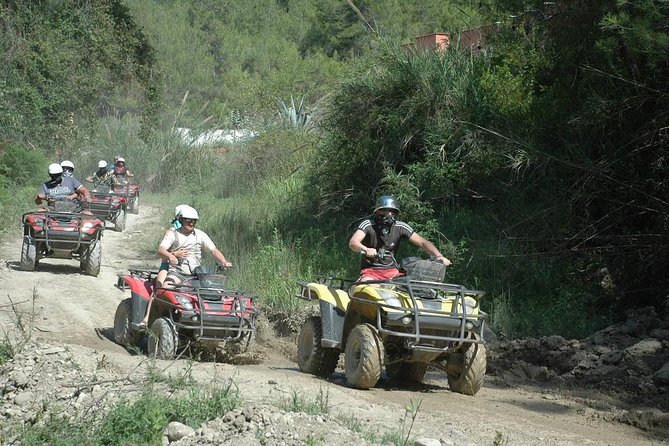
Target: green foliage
(414, 113)
(22, 167)
(133, 422)
(296, 117)
(61, 60)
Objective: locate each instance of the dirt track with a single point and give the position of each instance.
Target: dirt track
(74, 309)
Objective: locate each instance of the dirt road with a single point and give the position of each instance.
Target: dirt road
(78, 310)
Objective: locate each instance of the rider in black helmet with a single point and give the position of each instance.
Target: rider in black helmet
(384, 231)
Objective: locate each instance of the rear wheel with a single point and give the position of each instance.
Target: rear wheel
(119, 224)
(312, 357)
(91, 259)
(471, 365)
(363, 357)
(408, 372)
(162, 339)
(123, 334)
(28, 254)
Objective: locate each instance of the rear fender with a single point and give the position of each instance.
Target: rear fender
(140, 293)
(143, 288)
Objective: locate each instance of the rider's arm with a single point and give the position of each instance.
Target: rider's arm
(83, 192)
(211, 247)
(218, 255)
(165, 244)
(428, 247)
(356, 244)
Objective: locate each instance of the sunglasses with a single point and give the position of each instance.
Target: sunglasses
(69, 169)
(188, 221)
(387, 211)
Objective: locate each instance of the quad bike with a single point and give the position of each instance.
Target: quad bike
(62, 230)
(129, 191)
(404, 324)
(200, 311)
(108, 205)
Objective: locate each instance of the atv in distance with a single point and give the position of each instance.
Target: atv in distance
(404, 324)
(200, 311)
(108, 205)
(62, 230)
(129, 191)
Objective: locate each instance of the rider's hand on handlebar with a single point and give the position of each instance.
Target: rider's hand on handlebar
(369, 252)
(443, 260)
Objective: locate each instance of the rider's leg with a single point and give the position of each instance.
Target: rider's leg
(158, 283)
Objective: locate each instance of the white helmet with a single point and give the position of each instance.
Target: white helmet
(67, 163)
(177, 210)
(55, 169)
(120, 160)
(187, 212)
(102, 164)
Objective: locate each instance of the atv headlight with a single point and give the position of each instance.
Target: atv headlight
(391, 299)
(184, 301)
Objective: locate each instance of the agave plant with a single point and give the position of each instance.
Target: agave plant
(297, 117)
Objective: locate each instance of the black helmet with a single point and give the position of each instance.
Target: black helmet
(386, 202)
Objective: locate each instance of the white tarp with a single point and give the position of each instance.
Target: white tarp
(213, 137)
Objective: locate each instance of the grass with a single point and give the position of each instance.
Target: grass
(297, 402)
(400, 436)
(139, 421)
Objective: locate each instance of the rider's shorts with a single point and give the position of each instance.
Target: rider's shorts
(378, 274)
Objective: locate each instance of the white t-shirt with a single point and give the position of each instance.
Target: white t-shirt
(192, 242)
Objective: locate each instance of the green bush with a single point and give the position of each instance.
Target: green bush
(22, 167)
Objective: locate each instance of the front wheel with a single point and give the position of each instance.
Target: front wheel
(28, 254)
(91, 259)
(135, 206)
(312, 357)
(363, 357)
(163, 339)
(119, 223)
(471, 365)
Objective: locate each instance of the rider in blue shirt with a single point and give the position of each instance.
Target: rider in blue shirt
(61, 187)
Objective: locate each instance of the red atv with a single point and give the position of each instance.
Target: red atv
(199, 311)
(130, 191)
(63, 231)
(108, 205)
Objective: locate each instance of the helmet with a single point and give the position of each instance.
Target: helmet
(187, 212)
(66, 163)
(177, 210)
(386, 202)
(55, 169)
(117, 157)
(120, 160)
(102, 164)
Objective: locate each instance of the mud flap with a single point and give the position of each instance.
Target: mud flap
(332, 319)
(139, 305)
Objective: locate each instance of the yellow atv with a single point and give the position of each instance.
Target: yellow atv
(404, 324)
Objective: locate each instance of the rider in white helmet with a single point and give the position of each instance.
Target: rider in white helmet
(102, 177)
(181, 251)
(68, 168)
(61, 187)
(188, 241)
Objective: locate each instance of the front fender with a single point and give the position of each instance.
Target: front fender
(333, 296)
